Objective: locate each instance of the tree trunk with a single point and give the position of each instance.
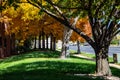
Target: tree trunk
(51, 39)
(43, 40)
(102, 64)
(54, 43)
(13, 46)
(39, 41)
(7, 45)
(65, 43)
(46, 42)
(78, 45)
(35, 43)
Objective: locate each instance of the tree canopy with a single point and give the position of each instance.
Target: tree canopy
(103, 15)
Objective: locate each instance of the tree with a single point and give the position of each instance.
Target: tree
(52, 26)
(23, 22)
(103, 16)
(52, 29)
(84, 25)
(104, 28)
(57, 30)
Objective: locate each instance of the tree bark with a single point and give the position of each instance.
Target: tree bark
(46, 42)
(39, 41)
(54, 43)
(78, 45)
(2, 51)
(65, 44)
(7, 45)
(35, 43)
(102, 64)
(51, 39)
(13, 45)
(43, 40)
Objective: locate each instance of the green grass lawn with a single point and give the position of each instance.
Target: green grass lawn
(93, 56)
(40, 65)
(90, 55)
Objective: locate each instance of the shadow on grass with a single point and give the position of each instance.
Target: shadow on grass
(34, 54)
(115, 72)
(48, 70)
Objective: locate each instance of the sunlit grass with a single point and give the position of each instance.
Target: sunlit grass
(89, 55)
(45, 65)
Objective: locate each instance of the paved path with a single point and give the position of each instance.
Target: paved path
(111, 64)
(105, 77)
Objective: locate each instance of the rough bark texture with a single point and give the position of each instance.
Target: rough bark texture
(8, 47)
(39, 41)
(46, 42)
(54, 43)
(65, 44)
(13, 45)
(43, 40)
(51, 39)
(35, 43)
(78, 46)
(102, 64)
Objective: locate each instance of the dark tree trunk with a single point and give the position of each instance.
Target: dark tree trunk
(51, 42)
(102, 64)
(54, 44)
(13, 46)
(43, 40)
(65, 43)
(2, 43)
(78, 45)
(46, 42)
(39, 41)
(35, 43)
(7, 45)
(2, 51)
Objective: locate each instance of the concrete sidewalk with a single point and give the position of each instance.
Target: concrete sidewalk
(111, 64)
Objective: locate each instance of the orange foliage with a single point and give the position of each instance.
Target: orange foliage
(26, 23)
(51, 26)
(84, 25)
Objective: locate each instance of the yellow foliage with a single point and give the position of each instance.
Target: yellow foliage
(24, 17)
(26, 22)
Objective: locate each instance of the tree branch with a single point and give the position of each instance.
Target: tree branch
(46, 11)
(63, 7)
(99, 7)
(82, 34)
(57, 9)
(30, 2)
(66, 23)
(89, 12)
(117, 30)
